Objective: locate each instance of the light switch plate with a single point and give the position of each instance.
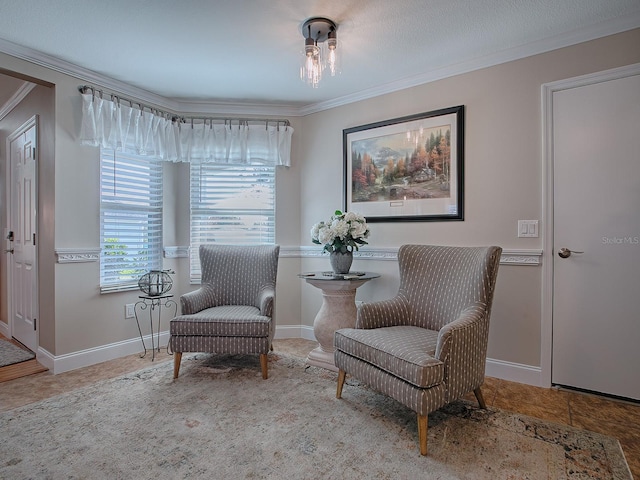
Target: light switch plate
(528, 228)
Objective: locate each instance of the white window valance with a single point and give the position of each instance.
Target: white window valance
(131, 128)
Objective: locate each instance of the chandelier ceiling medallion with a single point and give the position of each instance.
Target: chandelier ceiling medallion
(320, 42)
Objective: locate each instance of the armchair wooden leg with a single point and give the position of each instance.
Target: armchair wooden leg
(341, 376)
(422, 433)
(480, 398)
(263, 365)
(177, 357)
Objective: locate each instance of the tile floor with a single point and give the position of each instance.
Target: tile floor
(610, 417)
(614, 418)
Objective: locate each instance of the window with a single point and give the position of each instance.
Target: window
(232, 205)
(130, 218)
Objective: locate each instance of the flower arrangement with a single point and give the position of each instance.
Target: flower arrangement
(345, 232)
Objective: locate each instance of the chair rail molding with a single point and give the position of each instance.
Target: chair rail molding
(508, 257)
(532, 257)
(316, 252)
(521, 257)
(77, 255)
(180, 251)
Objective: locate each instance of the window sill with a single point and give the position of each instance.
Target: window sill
(118, 288)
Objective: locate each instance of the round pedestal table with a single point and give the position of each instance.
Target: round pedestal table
(338, 310)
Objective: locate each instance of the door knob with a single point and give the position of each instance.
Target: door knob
(9, 250)
(566, 253)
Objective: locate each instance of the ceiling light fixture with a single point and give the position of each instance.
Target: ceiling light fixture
(318, 55)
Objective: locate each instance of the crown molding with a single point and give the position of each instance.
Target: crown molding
(602, 29)
(85, 75)
(16, 98)
(186, 107)
(183, 107)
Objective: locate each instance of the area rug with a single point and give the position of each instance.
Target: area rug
(220, 420)
(10, 353)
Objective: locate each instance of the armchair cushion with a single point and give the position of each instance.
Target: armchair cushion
(420, 400)
(223, 321)
(405, 352)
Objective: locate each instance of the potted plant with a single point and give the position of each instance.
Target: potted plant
(340, 236)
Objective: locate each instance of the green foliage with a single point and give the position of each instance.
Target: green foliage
(118, 253)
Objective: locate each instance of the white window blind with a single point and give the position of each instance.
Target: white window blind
(231, 205)
(130, 218)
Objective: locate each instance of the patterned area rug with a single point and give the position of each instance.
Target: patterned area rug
(10, 353)
(221, 420)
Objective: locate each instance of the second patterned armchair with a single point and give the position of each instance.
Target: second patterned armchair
(427, 346)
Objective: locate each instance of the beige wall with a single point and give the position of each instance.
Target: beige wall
(502, 184)
(74, 315)
(503, 176)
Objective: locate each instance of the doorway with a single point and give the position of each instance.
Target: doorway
(591, 331)
(22, 236)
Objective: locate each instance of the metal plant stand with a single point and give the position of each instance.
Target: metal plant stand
(154, 305)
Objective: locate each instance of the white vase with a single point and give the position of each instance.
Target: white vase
(341, 262)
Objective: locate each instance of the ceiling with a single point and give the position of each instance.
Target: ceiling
(248, 51)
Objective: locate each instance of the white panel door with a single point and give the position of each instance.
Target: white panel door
(22, 224)
(596, 313)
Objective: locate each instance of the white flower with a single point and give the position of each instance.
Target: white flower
(345, 232)
(340, 228)
(358, 230)
(326, 235)
(351, 216)
(315, 229)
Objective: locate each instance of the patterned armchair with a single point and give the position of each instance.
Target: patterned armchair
(427, 346)
(233, 310)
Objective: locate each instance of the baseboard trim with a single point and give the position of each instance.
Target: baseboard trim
(295, 331)
(84, 358)
(91, 356)
(514, 372)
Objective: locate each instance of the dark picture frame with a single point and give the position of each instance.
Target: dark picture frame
(406, 169)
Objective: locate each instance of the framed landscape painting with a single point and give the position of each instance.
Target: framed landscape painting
(406, 169)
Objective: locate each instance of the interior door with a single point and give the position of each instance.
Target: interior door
(596, 237)
(22, 232)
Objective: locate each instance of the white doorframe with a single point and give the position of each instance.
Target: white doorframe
(33, 121)
(548, 89)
